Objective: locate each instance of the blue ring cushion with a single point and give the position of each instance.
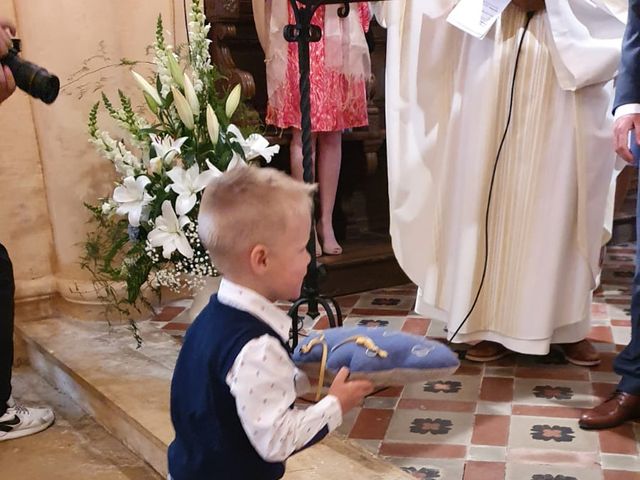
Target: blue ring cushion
(386, 357)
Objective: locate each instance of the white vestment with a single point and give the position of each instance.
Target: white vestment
(447, 98)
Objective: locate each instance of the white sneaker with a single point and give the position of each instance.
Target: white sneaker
(19, 421)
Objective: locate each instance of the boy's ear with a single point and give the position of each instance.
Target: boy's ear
(258, 258)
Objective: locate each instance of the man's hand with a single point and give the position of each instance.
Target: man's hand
(621, 129)
(6, 30)
(7, 83)
(349, 394)
(529, 5)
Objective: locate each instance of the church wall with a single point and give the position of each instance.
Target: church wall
(48, 167)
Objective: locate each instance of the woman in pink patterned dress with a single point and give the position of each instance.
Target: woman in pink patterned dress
(339, 71)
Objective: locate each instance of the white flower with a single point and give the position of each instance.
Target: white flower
(191, 96)
(213, 127)
(132, 197)
(254, 145)
(166, 149)
(183, 108)
(168, 233)
(186, 183)
(233, 100)
(108, 208)
(146, 87)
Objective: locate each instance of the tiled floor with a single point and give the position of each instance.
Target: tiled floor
(512, 419)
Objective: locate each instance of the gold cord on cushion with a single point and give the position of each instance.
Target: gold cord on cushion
(361, 340)
(365, 342)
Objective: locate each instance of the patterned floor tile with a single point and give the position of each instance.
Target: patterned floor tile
(430, 469)
(551, 472)
(553, 392)
(550, 434)
(419, 426)
(389, 301)
(458, 388)
(388, 322)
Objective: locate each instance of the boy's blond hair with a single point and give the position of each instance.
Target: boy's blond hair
(247, 206)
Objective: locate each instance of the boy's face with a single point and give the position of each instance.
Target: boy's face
(289, 259)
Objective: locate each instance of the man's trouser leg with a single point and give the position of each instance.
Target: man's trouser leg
(7, 289)
(627, 363)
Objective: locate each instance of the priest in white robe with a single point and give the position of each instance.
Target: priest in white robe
(447, 99)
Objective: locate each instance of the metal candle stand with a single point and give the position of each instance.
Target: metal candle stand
(303, 32)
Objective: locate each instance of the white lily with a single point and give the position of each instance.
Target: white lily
(166, 148)
(213, 127)
(184, 110)
(190, 93)
(168, 233)
(132, 197)
(187, 183)
(254, 145)
(233, 100)
(146, 87)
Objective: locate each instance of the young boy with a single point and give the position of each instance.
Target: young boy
(234, 384)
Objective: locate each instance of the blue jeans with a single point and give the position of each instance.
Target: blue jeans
(627, 363)
(7, 289)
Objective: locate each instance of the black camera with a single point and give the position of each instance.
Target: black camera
(29, 77)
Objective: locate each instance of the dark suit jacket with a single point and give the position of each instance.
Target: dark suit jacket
(628, 81)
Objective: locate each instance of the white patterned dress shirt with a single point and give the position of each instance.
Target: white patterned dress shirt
(265, 382)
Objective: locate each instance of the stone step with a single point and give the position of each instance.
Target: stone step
(127, 391)
(75, 447)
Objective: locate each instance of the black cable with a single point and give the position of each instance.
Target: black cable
(493, 177)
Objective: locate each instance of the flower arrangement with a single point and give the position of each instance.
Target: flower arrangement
(146, 230)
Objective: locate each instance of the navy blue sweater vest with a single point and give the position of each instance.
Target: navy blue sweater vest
(210, 442)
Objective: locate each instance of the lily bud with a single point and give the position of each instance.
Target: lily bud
(174, 68)
(184, 110)
(151, 102)
(213, 127)
(190, 93)
(233, 100)
(146, 87)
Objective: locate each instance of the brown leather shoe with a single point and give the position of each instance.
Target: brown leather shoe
(618, 409)
(581, 353)
(486, 351)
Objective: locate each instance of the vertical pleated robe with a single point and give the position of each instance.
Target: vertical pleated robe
(447, 98)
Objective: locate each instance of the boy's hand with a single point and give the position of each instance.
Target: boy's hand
(349, 393)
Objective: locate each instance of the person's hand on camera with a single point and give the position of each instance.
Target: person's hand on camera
(621, 129)
(529, 5)
(349, 393)
(7, 82)
(7, 28)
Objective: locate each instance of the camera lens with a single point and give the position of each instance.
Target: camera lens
(33, 79)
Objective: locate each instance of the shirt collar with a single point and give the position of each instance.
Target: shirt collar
(250, 301)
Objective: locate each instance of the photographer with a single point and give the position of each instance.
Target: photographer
(15, 420)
